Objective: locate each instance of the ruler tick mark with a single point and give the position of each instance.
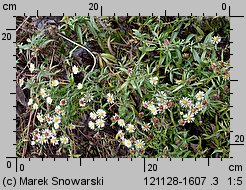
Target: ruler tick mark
(144, 164)
(237, 144)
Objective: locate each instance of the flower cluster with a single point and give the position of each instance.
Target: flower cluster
(47, 136)
(130, 129)
(221, 68)
(161, 104)
(98, 119)
(85, 99)
(192, 108)
(139, 144)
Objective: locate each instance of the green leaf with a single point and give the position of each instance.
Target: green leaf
(189, 38)
(174, 35)
(79, 33)
(208, 37)
(199, 30)
(196, 56)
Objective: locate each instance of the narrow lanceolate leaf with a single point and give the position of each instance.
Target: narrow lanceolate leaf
(196, 56)
(79, 33)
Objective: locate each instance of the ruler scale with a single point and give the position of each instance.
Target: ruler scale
(123, 173)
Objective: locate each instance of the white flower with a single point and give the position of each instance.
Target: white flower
(216, 40)
(185, 102)
(100, 123)
(130, 128)
(40, 117)
(146, 127)
(127, 143)
(56, 125)
(153, 109)
(193, 110)
(88, 97)
(30, 102)
(120, 135)
(189, 117)
(55, 82)
(32, 67)
(139, 144)
(57, 119)
(53, 133)
(54, 141)
(47, 133)
(42, 140)
(35, 106)
(101, 113)
(33, 143)
(82, 102)
(91, 125)
(93, 115)
(58, 109)
(153, 80)
(64, 140)
(75, 69)
(48, 119)
(116, 117)
(145, 104)
(110, 98)
(21, 82)
(71, 126)
(79, 86)
(199, 106)
(36, 132)
(49, 100)
(200, 95)
(121, 122)
(63, 102)
(43, 93)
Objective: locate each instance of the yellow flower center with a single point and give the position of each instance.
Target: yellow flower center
(56, 119)
(139, 144)
(188, 118)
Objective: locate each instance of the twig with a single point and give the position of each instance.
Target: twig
(27, 134)
(22, 23)
(94, 58)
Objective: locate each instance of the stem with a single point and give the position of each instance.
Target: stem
(77, 44)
